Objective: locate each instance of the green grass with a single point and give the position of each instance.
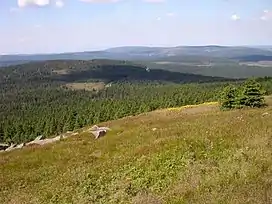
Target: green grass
(195, 155)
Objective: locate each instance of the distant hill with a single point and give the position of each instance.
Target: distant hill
(9, 63)
(254, 58)
(145, 53)
(98, 69)
(211, 51)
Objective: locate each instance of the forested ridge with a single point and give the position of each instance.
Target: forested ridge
(34, 102)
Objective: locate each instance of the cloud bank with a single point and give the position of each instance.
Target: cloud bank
(39, 3)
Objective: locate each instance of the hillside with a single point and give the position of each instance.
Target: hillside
(97, 69)
(195, 154)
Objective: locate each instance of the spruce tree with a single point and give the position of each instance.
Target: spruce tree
(228, 97)
(251, 94)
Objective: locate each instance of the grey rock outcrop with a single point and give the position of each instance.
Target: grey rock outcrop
(99, 131)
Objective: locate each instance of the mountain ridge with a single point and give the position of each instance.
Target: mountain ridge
(144, 52)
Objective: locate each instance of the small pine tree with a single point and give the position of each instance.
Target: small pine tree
(228, 97)
(251, 94)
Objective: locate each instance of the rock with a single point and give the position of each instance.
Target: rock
(10, 148)
(56, 138)
(65, 136)
(38, 138)
(75, 133)
(265, 114)
(94, 128)
(45, 141)
(154, 129)
(19, 146)
(99, 131)
(3, 146)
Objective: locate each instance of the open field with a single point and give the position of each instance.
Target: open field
(196, 154)
(258, 64)
(61, 71)
(88, 86)
(220, 69)
(200, 64)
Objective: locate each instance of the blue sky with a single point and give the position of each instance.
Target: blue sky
(46, 26)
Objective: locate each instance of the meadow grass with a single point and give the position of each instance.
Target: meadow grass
(190, 155)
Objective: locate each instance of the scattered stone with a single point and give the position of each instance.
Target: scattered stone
(56, 138)
(99, 131)
(265, 114)
(19, 146)
(154, 129)
(3, 146)
(38, 138)
(10, 148)
(65, 136)
(45, 141)
(95, 130)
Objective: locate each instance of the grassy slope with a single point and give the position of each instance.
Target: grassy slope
(196, 155)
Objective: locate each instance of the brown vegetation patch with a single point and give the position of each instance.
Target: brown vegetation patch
(88, 86)
(61, 71)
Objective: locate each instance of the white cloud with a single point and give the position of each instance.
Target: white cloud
(266, 15)
(100, 1)
(59, 3)
(235, 17)
(158, 18)
(114, 1)
(40, 3)
(24, 3)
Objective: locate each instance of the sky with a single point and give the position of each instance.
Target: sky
(53, 26)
